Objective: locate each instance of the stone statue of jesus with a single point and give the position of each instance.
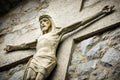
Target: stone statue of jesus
(43, 62)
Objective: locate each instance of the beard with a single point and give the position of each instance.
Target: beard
(45, 29)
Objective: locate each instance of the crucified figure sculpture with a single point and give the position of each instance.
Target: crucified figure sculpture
(43, 62)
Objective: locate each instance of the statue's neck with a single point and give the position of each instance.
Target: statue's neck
(46, 31)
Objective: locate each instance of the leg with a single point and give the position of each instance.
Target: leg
(32, 72)
(39, 77)
(29, 74)
(33, 75)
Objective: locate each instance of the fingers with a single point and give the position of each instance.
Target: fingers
(8, 48)
(112, 7)
(108, 9)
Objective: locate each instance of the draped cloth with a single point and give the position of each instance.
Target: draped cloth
(43, 64)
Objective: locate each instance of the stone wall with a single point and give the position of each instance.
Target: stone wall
(96, 58)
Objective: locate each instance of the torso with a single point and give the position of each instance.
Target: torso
(47, 44)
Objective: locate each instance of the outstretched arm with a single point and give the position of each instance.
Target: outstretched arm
(107, 9)
(10, 48)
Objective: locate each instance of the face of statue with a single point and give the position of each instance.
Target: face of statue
(45, 24)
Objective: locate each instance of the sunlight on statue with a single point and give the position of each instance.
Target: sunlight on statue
(43, 62)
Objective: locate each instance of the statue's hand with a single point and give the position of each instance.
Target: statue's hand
(8, 48)
(108, 9)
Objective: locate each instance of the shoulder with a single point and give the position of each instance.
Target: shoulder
(59, 30)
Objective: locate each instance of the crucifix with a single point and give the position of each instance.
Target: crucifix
(43, 62)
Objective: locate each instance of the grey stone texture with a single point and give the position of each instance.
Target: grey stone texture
(17, 76)
(15, 73)
(111, 57)
(100, 61)
(98, 74)
(86, 67)
(97, 50)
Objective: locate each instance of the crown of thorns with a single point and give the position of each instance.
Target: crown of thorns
(44, 16)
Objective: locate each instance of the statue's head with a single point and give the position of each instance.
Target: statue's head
(46, 23)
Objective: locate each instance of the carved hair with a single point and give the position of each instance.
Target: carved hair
(44, 16)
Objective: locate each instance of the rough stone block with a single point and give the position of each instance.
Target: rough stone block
(98, 74)
(18, 75)
(86, 67)
(99, 49)
(84, 45)
(111, 57)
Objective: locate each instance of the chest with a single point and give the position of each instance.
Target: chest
(48, 40)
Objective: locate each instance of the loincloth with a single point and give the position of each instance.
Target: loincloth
(43, 64)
